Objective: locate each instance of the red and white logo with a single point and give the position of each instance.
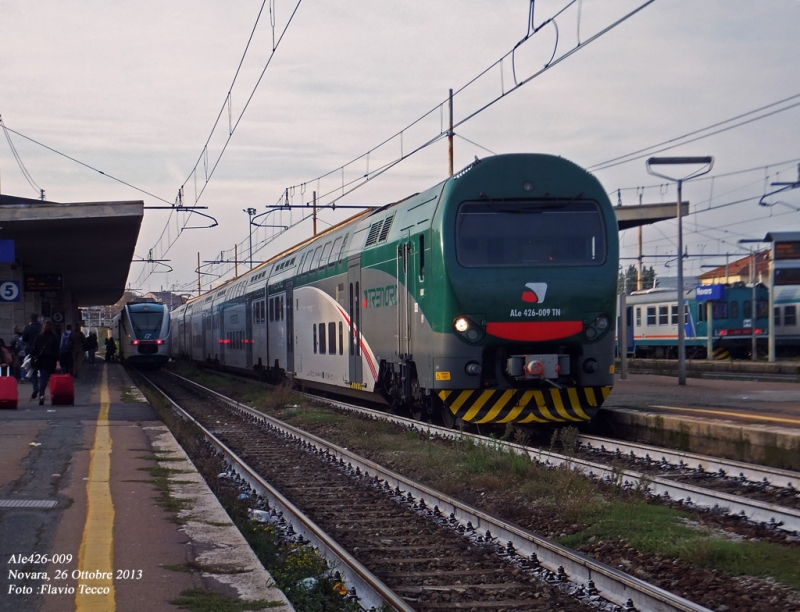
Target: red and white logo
(534, 293)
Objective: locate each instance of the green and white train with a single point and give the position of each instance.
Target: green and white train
(488, 298)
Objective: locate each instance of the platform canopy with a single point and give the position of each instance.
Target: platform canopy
(645, 214)
(90, 244)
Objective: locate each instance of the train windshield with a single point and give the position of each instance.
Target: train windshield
(147, 325)
(521, 233)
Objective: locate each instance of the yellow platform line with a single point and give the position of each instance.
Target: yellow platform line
(97, 544)
(742, 415)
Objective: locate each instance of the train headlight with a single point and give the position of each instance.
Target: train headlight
(469, 330)
(597, 327)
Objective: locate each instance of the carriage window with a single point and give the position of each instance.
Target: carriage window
(638, 316)
(790, 315)
(720, 310)
(341, 338)
(326, 251)
(663, 315)
(314, 327)
(344, 244)
(651, 315)
(674, 314)
(334, 251)
(271, 309)
(701, 312)
(422, 257)
(734, 310)
(521, 233)
(747, 309)
(315, 259)
(331, 338)
(762, 309)
(777, 315)
(322, 349)
(282, 307)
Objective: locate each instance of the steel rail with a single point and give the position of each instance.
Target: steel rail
(787, 519)
(759, 474)
(611, 584)
(371, 591)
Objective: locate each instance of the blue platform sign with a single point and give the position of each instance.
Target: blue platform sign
(704, 293)
(9, 291)
(7, 254)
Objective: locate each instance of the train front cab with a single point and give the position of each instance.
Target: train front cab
(528, 293)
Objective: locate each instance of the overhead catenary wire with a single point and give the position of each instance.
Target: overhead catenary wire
(18, 159)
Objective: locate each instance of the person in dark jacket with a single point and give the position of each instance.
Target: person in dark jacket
(111, 349)
(91, 346)
(45, 352)
(29, 334)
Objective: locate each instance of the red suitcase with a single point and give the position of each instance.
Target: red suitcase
(62, 390)
(9, 394)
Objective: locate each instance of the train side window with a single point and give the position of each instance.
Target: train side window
(331, 338)
(776, 313)
(315, 259)
(789, 316)
(334, 251)
(315, 338)
(350, 335)
(341, 338)
(422, 257)
(734, 310)
(283, 301)
(663, 315)
(674, 314)
(326, 252)
(638, 316)
(651, 316)
(271, 309)
(344, 244)
(357, 334)
(747, 309)
(322, 348)
(762, 309)
(701, 312)
(720, 310)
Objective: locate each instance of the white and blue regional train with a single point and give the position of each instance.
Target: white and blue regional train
(142, 330)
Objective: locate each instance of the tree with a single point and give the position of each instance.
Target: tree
(631, 276)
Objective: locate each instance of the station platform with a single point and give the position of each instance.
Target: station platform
(754, 421)
(80, 524)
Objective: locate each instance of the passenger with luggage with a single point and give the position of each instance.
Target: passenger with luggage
(45, 355)
(65, 351)
(16, 346)
(29, 335)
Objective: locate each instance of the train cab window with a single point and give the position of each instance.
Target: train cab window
(734, 310)
(776, 313)
(747, 309)
(790, 316)
(663, 315)
(422, 257)
(720, 310)
(331, 338)
(322, 349)
(638, 316)
(521, 233)
(674, 314)
(651, 316)
(762, 309)
(334, 251)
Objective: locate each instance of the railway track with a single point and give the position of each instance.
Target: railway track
(428, 551)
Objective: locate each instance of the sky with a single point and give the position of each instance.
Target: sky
(134, 89)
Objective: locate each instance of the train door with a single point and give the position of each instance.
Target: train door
(404, 300)
(289, 306)
(354, 313)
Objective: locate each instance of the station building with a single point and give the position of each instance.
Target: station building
(58, 257)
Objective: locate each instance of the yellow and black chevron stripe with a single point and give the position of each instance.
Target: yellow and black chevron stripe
(520, 406)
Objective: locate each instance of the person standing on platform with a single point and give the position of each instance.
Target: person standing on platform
(29, 335)
(46, 352)
(16, 347)
(65, 352)
(91, 346)
(111, 349)
(78, 348)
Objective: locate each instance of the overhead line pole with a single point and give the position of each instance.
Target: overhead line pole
(450, 135)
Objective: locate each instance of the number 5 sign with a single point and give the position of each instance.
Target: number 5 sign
(9, 291)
